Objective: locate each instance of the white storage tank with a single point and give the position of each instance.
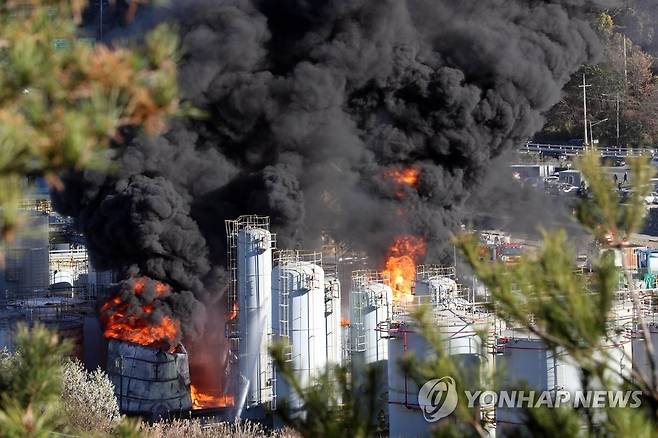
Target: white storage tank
(298, 315)
(524, 361)
(332, 321)
(250, 298)
(254, 316)
(527, 362)
(371, 304)
(438, 290)
(460, 340)
(640, 358)
(24, 270)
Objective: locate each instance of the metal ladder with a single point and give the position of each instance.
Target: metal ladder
(284, 308)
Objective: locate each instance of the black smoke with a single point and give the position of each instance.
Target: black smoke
(310, 103)
(138, 303)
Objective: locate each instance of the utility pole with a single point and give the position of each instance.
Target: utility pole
(584, 87)
(625, 63)
(101, 20)
(618, 145)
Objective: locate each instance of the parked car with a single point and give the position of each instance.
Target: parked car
(651, 198)
(568, 188)
(615, 161)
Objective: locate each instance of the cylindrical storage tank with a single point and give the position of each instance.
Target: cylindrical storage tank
(641, 361)
(437, 290)
(332, 320)
(371, 305)
(298, 317)
(61, 314)
(528, 363)
(254, 288)
(460, 340)
(149, 381)
(24, 270)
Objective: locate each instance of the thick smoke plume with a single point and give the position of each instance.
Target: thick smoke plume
(310, 105)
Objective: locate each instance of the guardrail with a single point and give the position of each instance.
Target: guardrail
(572, 150)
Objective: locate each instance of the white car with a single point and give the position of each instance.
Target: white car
(651, 198)
(568, 188)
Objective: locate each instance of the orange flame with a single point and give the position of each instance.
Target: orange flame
(230, 316)
(344, 322)
(201, 400)
(400, 265)
(407, 177)
(124, 323)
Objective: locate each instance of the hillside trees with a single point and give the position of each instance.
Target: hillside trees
(623, 89)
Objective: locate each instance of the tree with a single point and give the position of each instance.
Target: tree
(63, 100)
(30, 384)
(624, 80)
(88, 399)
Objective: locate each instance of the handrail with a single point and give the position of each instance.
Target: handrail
(579, 149)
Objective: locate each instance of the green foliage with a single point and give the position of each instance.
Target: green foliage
(88, 399)
(550, 423)
(42, 393)
(333, 406)
(604, 24)
(30, 383)
(543, 294)
(61, 106)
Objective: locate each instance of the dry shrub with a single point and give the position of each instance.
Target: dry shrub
(195, 429)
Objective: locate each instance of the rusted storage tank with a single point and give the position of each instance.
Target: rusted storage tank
(148, 381)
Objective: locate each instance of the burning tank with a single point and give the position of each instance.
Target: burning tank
(147, 363)
(149, 381)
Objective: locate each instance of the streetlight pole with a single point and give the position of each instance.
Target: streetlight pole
(591, 135)
(591, 130)
(617, 101)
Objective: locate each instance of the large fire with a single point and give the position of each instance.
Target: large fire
(400, 265)
(407, 177)
(130, 316)
(204, 400)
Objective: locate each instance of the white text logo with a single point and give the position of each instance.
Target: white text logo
(438, 398)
